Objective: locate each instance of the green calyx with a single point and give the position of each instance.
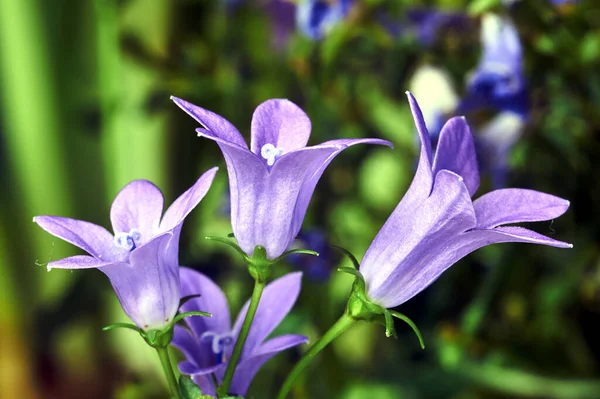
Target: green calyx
(360, 307)
(259, 265)
(157, 338)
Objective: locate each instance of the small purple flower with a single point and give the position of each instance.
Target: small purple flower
(141, 258)
(209, 342)
(437, 223)
(498, 81)
(315, 18)
(272, 182)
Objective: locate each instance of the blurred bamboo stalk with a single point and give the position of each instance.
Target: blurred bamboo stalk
(133, 139)
(38, 172)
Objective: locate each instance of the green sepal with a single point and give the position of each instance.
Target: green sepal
(296, 251)
(412, 325)
(231, 235)
(360, 307)
(228, 242)
(350, 255)
(180, 316)
(123, 325)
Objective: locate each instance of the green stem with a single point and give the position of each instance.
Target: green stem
(339, 327)
(239, 344)
(163, 353)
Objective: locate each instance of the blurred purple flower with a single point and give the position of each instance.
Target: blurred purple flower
(498, 81)
(425, 23)
(271, 183)
(141, 259)
(436, 223)
(315, 268)
(315, 18)
(209, 342)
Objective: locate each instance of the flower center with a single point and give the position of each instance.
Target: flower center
(219, 344)
(129, 240)
(270, 153)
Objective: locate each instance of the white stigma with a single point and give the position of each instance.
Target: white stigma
(270, 153)
(219, 343)
(129, 240)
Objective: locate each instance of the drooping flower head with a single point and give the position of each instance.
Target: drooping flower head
(436, 223)
(141, 257)
(498, 82)
(271, 182)
(209, 342)
(315, 18)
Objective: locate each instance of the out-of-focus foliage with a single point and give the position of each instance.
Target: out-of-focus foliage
(84, 108)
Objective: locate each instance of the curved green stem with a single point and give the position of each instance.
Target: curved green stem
(339, 327)
(163, 353)
(239, 344)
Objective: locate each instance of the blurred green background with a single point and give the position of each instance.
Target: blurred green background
(84, 109)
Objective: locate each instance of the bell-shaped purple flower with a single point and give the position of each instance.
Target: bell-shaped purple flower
(209, 342)
(498, 82)
(437, 223)
(272, 182)
(315, 18)
(141, 258)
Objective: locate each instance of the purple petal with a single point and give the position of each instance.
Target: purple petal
(147, 286)
(397, 269)
(93, 239)
(187, 368)
(218, 126)
(187, 343)
(280, 123)
(456, 152)
(203, 376)
(187, 201)
(480, 238)
(77, 262)
(211, 300)
(514, 205)
(138, 206)
(277, 300)
(247, 368)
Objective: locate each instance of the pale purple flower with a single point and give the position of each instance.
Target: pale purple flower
(209, 342)
(437, 223)
(315, 18)
(272, 182)
(141, 258)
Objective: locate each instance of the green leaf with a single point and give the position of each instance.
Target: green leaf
(189, 390)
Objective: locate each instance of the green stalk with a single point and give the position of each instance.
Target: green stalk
(259, 286)
(163, 353)
(343, 323)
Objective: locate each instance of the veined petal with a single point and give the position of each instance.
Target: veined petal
(187, 201)
(93, 239)
(514, 205)
(515, 234)
(247, 368)
(77, 262)
(394, 271)
(456, 152)
(276, 302)
(147, 286)
(280, 123)
(138, 206)
(217, 125)
(211, 300)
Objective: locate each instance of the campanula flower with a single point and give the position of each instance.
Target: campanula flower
(271, 183)
(498, 82)
(208, 342)
(315, 18)
(437, 223)
(141, 257)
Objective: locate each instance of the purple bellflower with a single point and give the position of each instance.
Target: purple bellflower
(141, 258)
(209, 342)
(271, 183)
(436, 223)
(315, 18)
(498, 82)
